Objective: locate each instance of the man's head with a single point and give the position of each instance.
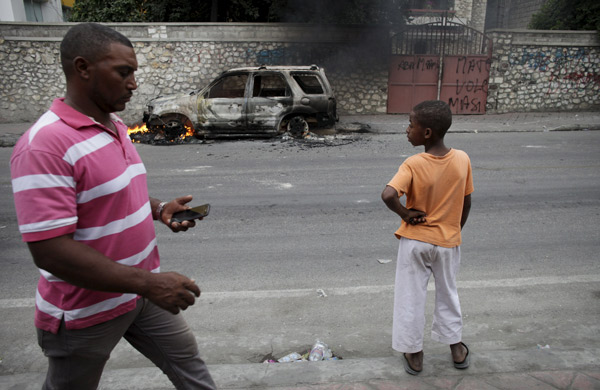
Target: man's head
(433, 114)
(99, 64)
(90, 41)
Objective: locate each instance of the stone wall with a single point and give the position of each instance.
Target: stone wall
(470, 13)
(179, 57)
(544, 71)
(530, 70)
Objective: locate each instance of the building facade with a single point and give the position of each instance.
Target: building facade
(40, 11)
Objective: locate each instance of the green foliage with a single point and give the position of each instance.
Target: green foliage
(107, 11)
(177, 11)
(388, 12)
(140, 11)
(567, 15)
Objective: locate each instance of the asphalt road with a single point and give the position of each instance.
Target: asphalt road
(291, 218)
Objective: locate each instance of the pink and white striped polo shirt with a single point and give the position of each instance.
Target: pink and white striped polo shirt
(70, 175)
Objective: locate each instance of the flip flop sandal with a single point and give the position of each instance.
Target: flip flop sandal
(465, 363)
(408, 368)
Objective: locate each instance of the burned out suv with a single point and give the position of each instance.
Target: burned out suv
(259, 101)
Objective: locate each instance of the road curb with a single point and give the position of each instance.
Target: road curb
(496, 365)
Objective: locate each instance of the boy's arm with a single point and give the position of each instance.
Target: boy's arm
(466, 210)
(392, 200)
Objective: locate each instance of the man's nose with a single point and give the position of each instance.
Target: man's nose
(131, 83)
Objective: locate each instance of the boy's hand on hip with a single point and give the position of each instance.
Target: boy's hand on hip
(415, 217)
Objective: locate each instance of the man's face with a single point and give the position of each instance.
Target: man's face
(112, 79)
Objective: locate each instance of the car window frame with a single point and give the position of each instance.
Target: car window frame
(293, 75)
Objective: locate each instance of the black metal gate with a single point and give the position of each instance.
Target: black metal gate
(441, 60)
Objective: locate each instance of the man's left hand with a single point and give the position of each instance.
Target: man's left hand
(176, 205)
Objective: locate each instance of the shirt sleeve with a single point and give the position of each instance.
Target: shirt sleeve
(402, 179)
(45, 195)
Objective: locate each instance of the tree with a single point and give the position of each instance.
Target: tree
(101, 11)
(388, 12)
(177, 10)
(567, 15)
(141, 11)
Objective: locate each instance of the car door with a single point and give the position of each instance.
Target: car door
(271, 98)
(222, 107)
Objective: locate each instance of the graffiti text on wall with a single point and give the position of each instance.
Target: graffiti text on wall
(567, 69)
(267, 57)
(471, 86)
(420, 63)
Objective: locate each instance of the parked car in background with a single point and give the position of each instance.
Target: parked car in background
(251, 101)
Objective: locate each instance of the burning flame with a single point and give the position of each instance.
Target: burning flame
(137, 129)
(189, 131)
(142, 129)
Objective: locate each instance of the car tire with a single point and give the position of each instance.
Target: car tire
(297, 126)
(174, 129)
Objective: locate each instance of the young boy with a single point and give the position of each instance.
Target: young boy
(438, 186)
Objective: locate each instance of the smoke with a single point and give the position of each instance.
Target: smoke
(364, 12)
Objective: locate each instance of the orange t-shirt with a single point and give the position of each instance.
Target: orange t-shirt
(436, 186)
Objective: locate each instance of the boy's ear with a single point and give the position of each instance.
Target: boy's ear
(428, 132)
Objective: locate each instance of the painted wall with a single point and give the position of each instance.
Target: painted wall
(12, 10)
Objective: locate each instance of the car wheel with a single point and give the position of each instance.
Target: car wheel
(174, 129)
(297, 126)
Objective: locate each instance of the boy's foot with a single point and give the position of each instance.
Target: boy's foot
(460, 355)
(413, 362)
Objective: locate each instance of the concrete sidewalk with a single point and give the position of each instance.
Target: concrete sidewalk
(531, 369)
(513, 122)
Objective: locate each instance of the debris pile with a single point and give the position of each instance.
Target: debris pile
(159, 138)
(319, 351)
(314, 140)
(141, 134)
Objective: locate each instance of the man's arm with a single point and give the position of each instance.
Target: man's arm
(466, 211)
(83, 266)
(392, 201)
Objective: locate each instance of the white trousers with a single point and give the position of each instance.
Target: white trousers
(416, 262)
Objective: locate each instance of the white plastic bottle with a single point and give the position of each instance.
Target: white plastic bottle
(319, 351)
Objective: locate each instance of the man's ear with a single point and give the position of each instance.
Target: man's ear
(81, 67)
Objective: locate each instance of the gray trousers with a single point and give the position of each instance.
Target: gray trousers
(417, 261)
(77, 357)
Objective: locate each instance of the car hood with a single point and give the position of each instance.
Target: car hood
(160, 100)
(185, 104)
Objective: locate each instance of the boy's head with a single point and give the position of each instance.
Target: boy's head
(433, 114)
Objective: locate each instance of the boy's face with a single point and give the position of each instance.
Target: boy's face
(415, 132)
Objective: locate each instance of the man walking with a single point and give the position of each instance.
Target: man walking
(83, 208)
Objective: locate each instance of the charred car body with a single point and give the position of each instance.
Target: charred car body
(259, 101)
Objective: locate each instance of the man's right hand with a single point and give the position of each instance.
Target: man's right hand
(83, 266)
(171, 291)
